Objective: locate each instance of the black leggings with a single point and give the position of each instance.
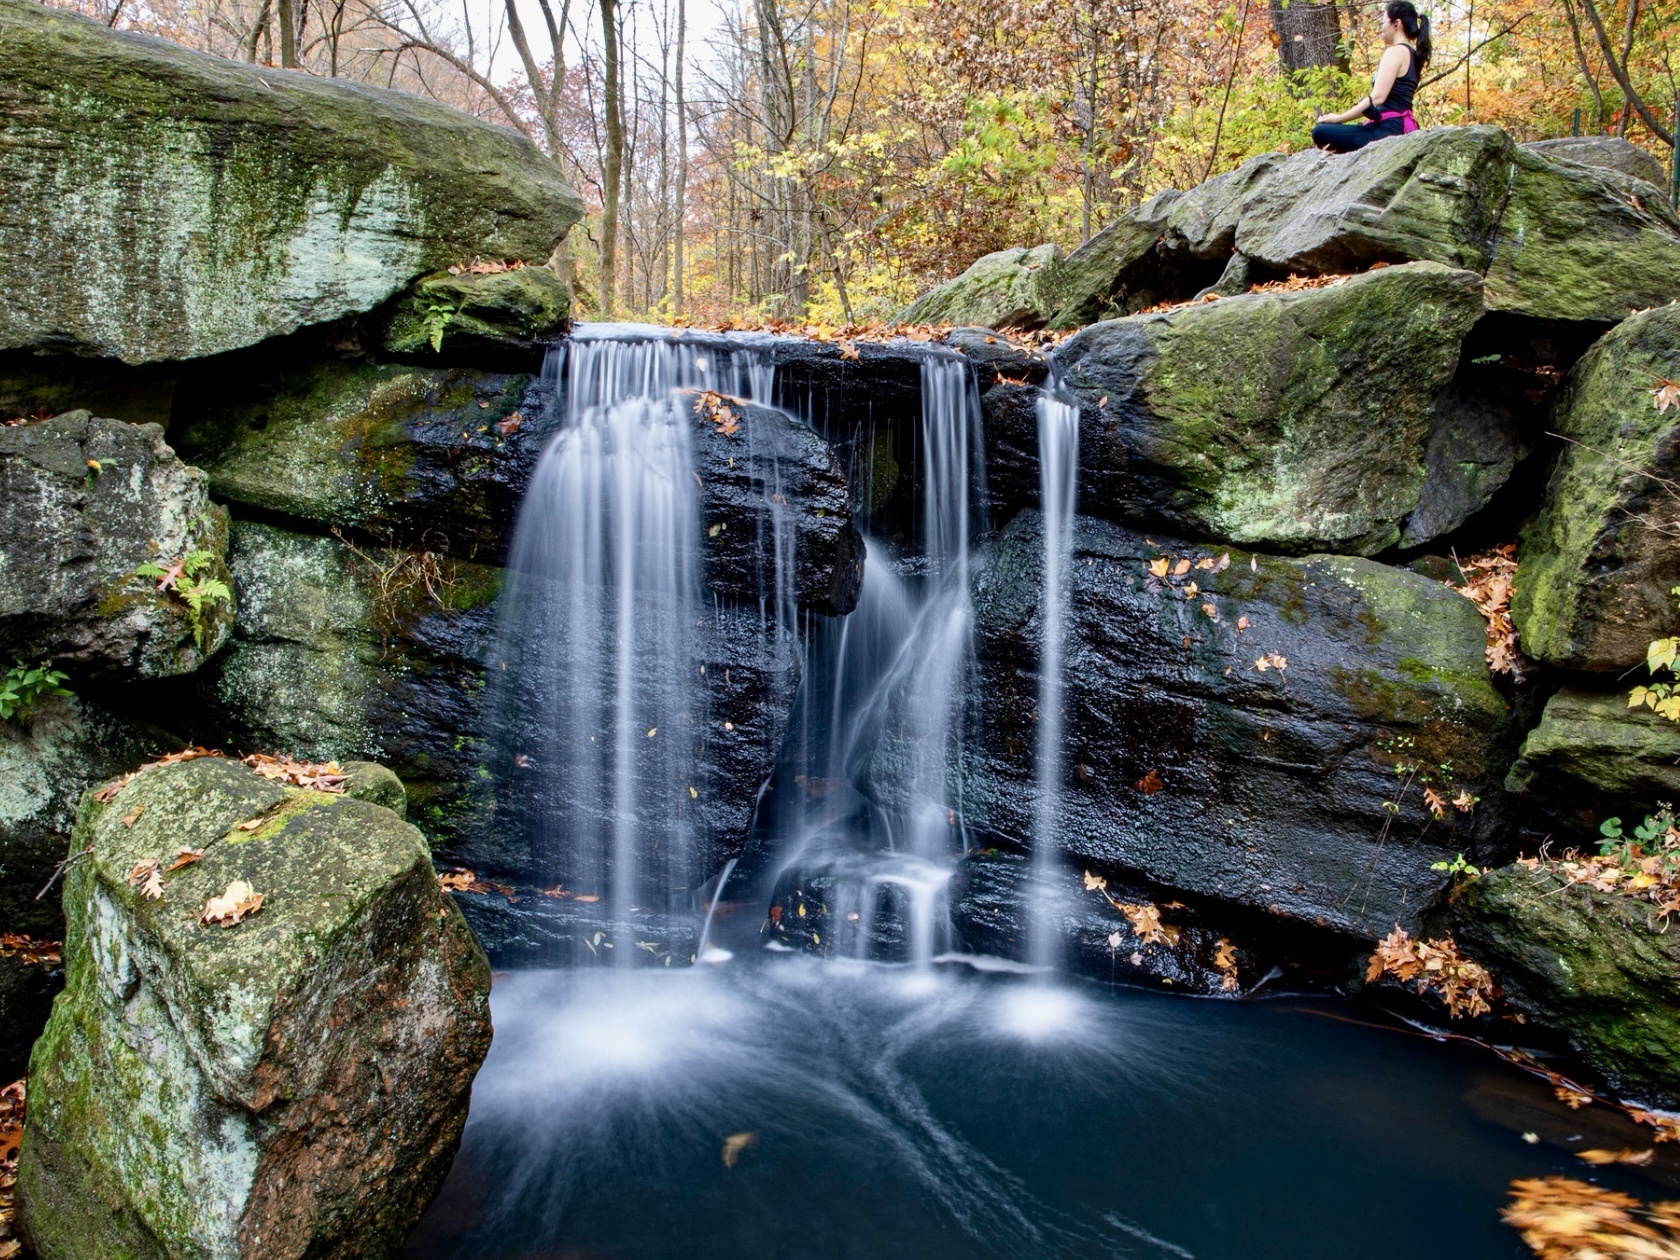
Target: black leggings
(1346, 137)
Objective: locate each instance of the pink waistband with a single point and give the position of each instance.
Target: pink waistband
(1409, 126)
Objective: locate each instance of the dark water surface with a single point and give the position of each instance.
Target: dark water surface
(972, 1115)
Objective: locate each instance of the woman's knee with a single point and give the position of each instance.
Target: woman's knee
(1326, 136)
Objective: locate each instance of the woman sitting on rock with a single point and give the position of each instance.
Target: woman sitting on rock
(1387, 111)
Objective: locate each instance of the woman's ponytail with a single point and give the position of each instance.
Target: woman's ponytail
(1416, 27)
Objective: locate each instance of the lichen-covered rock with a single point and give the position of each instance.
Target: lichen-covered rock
(479, 316)
(1556, 240)
(1265, 741)
(1597, 965)
(1167, 249)
(1298, 421)
(1599, 562)
(1605, 152)
(773, 493)
(84, 503)
(1012, 288)
(48, 758)
(165, 204)
(291, 1086)
(432, 458)
(1591, 757)
(378, 654)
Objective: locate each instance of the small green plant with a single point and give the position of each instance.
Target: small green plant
(1653, 848)
(1458, 868)
(25, 684)
(434, 318)
(189, 581)
(1662, 698)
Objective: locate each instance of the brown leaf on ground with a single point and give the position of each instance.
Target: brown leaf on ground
(1489, 579)
(147, 877)
(36, 953)
(183, 857)
(1146, 922)
(734, 1144)
(11, 1135)
(1149, 784)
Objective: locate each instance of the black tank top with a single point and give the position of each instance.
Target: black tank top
(1405, 87)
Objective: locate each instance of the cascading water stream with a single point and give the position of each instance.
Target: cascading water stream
(602, 612)
(1058, 474)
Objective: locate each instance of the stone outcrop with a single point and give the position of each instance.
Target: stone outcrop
(84, 504)
(1592, 757)
(1297, 421)
(1599, 966)
(1008, 289)
(291, 1086)
(479, 317)
(1193, 759)
(431, 458)
(1605, 152)
(199, 205)
(48, 758)
(1599, 563)
(1556, 240)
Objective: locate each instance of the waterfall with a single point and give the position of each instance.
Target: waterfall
(1058, 475)
(604, 690)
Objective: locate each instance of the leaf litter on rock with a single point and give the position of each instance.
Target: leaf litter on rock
(11, 1135)
(237, 903)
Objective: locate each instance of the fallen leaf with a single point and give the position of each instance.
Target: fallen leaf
(511, 425)
(1242, 624)
(1158, 567)
(1436, 802)
(1149, 784)
(1208, 610)
(1573, 1098)
(1094, 883)
(1623, 1156)
(1181, 568)
(184, 857)
(147, 878)
(734, 1144)
(238, 901)
(1666, 394)
(133, 816)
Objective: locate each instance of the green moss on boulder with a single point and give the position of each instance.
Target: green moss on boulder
(1298, 421)
(1599, 561)
(1598, 965)
(435, 458)
(84, 503)
(1012, 288)
(1591, 756)
(476, 314)
(291, 1086)
(165, 204)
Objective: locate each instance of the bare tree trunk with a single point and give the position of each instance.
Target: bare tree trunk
(682, 167)
(288, 33)
(257, 31)
(1309, 35)
(612, 160)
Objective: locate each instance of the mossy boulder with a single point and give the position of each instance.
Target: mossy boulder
(431, 458)
(1012, 288)
(1591, 757)
(479, 315)
(1557, 240)
(1603, 152)
(1599, 562)
(84, 503)
(48, 758)
(166, 204)
(1296, 421)
(291, 1086)
(364, 653)
(1600, 966)
(1265, 741)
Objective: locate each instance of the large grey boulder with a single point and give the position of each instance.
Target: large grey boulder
(1599, 562)
(1593, 756)
(1297, 421)
(1556, 240)
(1266, 741)
(292, 1085)
(1606, 152)
(1012, 288)
(48, 758)
(84, 504)
(165, 204)
(479, 316)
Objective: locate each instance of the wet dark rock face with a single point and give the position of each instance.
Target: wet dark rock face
(1192, 757)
